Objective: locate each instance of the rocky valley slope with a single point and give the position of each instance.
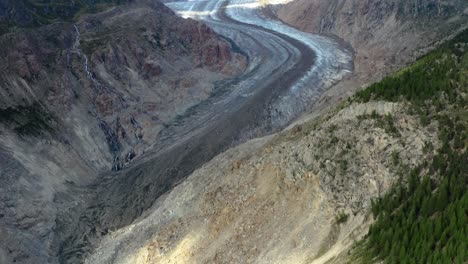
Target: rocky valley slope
(90, 89)
(385, 35)
(305, 195)
(83, 94)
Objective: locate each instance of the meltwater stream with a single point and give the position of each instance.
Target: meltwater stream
(288, 70)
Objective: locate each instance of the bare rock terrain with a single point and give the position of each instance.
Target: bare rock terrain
(277, 199)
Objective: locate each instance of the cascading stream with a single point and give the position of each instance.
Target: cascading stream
(77, 50)
(108, 132)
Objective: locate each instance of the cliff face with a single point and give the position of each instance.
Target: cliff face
(81, 98)
(384, 34)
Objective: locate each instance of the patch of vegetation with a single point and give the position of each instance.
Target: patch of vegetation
(424, 217)
(334, 140)
(36, 13)
(341, 218)
(6, 27)
(424, 221)
(157, 37)
(343, 165)
(327, 243)
(90, 46)
(30, 120)
(436, 75)
(395, 158)
(386, 122)
(332, 128)
(428, 147)
(424, 9)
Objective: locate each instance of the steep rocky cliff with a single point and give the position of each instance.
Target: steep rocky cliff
(384, 34)
(86, 94)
